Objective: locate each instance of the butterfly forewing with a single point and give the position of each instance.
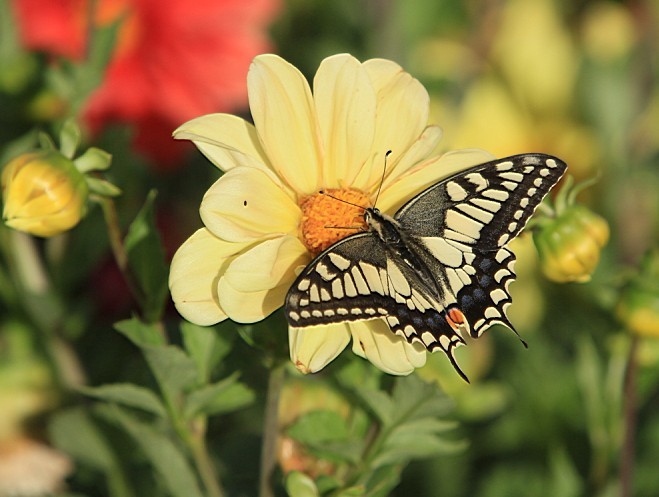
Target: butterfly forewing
(344, 283)
(448, 271)
(484, 206)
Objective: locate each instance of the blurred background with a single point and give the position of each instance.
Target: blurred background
(575, 79)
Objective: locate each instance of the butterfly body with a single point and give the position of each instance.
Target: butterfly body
(403, 250)
(440, 267)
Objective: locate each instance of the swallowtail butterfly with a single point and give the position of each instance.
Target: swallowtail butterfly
(439, 268)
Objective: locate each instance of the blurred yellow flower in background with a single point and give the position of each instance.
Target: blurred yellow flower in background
(265, 219)
(518, 91)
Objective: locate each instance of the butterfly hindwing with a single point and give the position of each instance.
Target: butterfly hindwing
(359, 278)
(342, 284)
(486, 300)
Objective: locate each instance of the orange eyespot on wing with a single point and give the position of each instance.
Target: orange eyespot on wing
(455, 318)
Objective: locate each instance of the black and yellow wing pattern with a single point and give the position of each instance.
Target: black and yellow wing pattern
(439, 268)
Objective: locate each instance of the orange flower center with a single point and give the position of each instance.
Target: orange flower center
(328, 218)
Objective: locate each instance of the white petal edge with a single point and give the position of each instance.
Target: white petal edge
(195, 270)
(246, 205)
(284, 115)
(314, 347)
(391, 353)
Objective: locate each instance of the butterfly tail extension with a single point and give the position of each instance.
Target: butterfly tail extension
(433, 329)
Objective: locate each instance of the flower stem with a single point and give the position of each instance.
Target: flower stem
(627, 454)
(114, 233)
(45, 309)
(270, 428)
(118, 249)
(204, 463)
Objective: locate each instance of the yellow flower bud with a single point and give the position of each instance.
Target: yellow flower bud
(43, 193)
(638, 307)
(569, 246)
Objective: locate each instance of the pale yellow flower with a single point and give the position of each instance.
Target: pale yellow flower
(264, 218)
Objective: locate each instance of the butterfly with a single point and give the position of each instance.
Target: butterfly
(440, 268)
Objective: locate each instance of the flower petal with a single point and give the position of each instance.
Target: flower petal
(345, 102)
(268, 264)
(402, 115)
(284, 114)
(194, 273)
(418, 152)
(250, 307)
(245, 204)
(391, 353)
(228, 141)
(428, 173)
(313, 347)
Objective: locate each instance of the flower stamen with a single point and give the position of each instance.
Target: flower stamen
(330, 216)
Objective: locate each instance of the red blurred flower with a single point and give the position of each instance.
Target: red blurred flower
(173, 60)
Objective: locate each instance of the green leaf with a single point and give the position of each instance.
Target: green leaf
(224, 396)
(565, 479)
(45, 141)
(69, 138)
(83, 78)
(415, 398)
(340, 451)
(207, 346)
(75, 432)
(171, 464)
(300, 485)
(411, 424)
(327, 484)
(174, 371)
(93, 159)
(327, 436)
(402, 449)
(379, 403)
(102, 47)
(356, 491)
(382, 481)
(317, 427)
(146, 259)
(141, 334)
(129, 395)
(102, 187)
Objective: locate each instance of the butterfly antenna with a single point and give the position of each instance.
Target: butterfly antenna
(322, 192)
(384, 172)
